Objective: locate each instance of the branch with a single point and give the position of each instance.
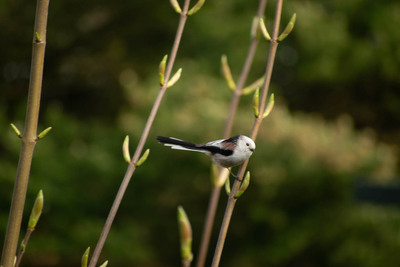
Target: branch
(244, 74)
(132, 166)
(237, 93)
(29, 137)
(256, 125)
(33, 220)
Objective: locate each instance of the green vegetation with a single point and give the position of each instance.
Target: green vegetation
(298, 207)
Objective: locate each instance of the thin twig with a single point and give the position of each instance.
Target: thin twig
(29, 138)
(33, 220)
(216, 190)
(23, 246)
(132, 166)
(208, 225)
(257, 123)
(243, 75)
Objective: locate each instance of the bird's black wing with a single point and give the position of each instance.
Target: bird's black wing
(218, 150)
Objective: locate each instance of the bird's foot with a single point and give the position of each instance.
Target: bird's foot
(235, 176)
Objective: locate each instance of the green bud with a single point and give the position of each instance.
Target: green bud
(37, 37)
(264, 30)
(250, 89)
(174, 78)
(43, 133)
(16, 130)
(256, 100)
(270, 106)
(22, 246)
(125, 150)
(196, 7)
(104, 264)
(36, 211)
(143, 158)
(244, 185)
(223, 175)
(161, 69)
(214, 174)
(185, 235)
(254, 27)
(85, 257)
(288, 28)
(226, 71)
(227, 187)
(176, 6)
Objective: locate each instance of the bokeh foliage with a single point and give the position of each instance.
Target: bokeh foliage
(101, 79)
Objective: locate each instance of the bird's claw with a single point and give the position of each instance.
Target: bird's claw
(237, 178)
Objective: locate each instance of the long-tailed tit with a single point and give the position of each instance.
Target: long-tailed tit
(225, 152)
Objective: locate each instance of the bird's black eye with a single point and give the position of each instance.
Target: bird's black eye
(247, 144)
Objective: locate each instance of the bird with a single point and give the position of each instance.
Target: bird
(226, 153)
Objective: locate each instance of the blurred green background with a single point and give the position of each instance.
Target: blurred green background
(335, 125)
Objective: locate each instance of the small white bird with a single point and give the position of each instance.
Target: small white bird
(225, 152)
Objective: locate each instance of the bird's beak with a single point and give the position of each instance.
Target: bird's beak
(252, 149)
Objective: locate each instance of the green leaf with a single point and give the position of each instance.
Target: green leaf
(43, 133)
(176, 6)
(227, 187)
(143, 158)
(249, 89)
(16, 130)
(264, 30)
(37, 37)
(256, 101)
(185, 235)
(226, 71)
(161, 69)
(85, 257)
(270, 106)
(244, 185)
(125, 150)
(174, 78)
(196, 7)
(288, 28)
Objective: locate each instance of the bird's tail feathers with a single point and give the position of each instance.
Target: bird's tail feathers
(175, 143)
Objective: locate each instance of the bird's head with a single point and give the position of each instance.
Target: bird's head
(246, 145)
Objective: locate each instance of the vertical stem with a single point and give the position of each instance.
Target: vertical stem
(256, 126)
(237, 93)
(29, 137)
(208, 225)
(271, 58)
(132, 167)
(216, 190)
(227, 217)
(243, 76)
(163, 89)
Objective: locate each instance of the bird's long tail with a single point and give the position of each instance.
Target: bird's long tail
(175, 143)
